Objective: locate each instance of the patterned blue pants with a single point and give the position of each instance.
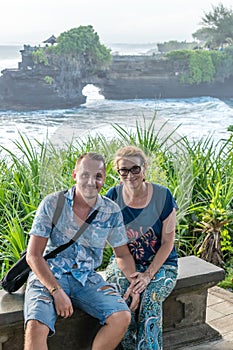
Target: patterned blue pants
(145, 330)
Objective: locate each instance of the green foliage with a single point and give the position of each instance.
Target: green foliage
(210, 210)
(217, 27)
(151, 137)
(214, 222)
(49, 80)
(83, 45)
(227, 283)
(108, 252)
(223, 62)
(20, 196)
(202, 66)
(179, 60)
(195, 67)
(39, 57)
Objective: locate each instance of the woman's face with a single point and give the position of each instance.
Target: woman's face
(131, 171)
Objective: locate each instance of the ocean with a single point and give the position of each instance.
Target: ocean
(9, 56)
(195, 118)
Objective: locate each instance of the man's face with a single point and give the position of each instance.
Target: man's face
(89, 176)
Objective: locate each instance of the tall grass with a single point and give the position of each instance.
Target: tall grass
(199, 174)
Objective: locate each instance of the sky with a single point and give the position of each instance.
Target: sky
(121, 21)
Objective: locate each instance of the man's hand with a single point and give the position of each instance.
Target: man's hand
(62, 303)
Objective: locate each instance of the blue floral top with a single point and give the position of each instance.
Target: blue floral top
(86, 253)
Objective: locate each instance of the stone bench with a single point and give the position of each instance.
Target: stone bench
(184, 314)
(184, 320)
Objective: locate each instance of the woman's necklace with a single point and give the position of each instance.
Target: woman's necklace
(139, 200)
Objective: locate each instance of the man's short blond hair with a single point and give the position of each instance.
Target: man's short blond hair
(90, 155)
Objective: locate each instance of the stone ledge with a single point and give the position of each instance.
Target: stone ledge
(194, 271)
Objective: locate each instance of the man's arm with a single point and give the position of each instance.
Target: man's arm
(41, 268)
(126, 264)
(125, 261)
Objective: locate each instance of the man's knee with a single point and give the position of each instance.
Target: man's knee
(119, 319)
(36, 328)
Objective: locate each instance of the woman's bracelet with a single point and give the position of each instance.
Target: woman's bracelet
(149, 273)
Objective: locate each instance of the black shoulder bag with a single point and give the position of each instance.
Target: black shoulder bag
(18, 273)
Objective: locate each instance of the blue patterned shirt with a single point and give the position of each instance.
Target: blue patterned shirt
(86, 253)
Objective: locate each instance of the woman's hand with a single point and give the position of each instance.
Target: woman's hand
(140, 281)
(135, 299)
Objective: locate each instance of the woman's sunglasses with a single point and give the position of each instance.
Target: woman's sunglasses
(136, 169)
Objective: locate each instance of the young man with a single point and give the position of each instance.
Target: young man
(69, 280)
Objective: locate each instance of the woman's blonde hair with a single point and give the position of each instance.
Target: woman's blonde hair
(130, 151)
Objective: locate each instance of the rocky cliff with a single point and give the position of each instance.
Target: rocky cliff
(27, 90)
(153, 77)
(128, 77)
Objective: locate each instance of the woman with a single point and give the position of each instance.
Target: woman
(149, 212)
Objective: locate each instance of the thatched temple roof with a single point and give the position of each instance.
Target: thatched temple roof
(50, 40)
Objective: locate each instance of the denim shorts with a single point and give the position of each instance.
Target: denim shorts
(97, 298)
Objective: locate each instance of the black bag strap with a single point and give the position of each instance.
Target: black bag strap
(59, 207)
(59, 249)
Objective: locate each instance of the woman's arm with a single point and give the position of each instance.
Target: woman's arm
(167, 243)
(141, 280)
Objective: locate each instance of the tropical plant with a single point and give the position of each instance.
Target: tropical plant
(152, 136)
(214, 219)
(217, 27)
